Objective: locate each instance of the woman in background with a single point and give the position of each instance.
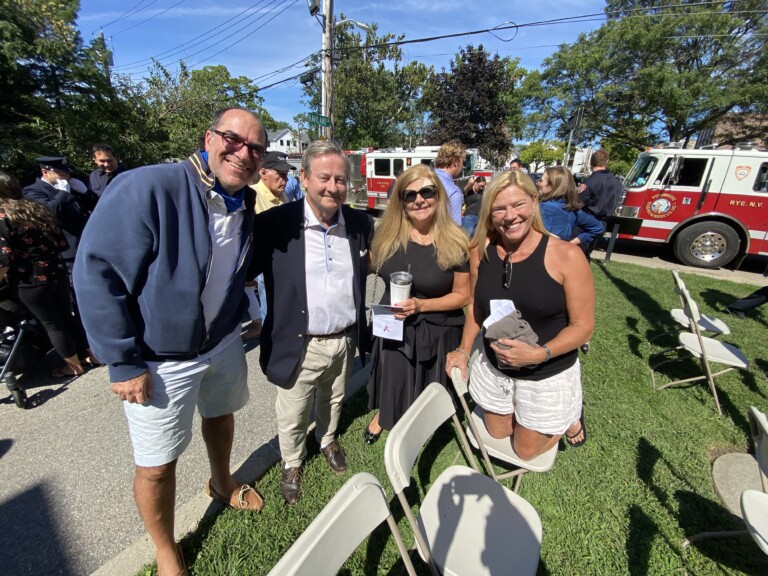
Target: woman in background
(473, 197)
(31, 244)
(561, 209)
(417, 234)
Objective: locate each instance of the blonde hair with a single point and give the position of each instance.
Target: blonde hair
(449, 152)
(485, 232)
(449, 239)
(563, 186)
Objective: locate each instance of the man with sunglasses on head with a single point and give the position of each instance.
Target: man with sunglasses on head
(449, 165)
(163, 265)
(314, 257)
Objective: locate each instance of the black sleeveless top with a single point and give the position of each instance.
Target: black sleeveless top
(540, 299)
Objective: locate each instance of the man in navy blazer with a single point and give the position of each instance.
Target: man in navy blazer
(314, 257)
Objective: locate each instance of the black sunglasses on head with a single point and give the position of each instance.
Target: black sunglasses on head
(409, 196)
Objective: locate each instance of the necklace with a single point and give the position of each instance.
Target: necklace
(419, 239)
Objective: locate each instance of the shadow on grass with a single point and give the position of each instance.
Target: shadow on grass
(762, 364)
(642, 532)
(645, 305)
(686, 366)
(698, 514)
(694, 514)
(720, 300)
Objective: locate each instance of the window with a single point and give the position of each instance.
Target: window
(641, 172)
(691, 173)
(281, 142)
(381, 167)
(761, 181)
(398, 165)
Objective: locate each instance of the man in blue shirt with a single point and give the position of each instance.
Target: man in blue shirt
(448, 165)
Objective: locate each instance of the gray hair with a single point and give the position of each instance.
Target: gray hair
(322, 148)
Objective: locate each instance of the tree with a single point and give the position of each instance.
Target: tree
(374, 95)
(541, 153)
(182, 105)
(476, 103)
(657, 70)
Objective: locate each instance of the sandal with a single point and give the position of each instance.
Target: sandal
(582, 429)
(59, 374)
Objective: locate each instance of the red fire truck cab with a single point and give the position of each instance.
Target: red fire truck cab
(381, 167)
(710, 205)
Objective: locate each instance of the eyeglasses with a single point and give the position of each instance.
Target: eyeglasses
(507, 271)
(409, 196)
(233, 143)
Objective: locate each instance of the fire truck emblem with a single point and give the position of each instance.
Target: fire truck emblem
(742, 172)
(660, 205)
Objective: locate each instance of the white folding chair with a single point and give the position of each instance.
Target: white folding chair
(706, 350)
(707, 324)
(351, 515)
(753, 503)
(467, 523)
(498, 448)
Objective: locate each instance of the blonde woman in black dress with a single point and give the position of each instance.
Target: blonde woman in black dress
(417, 234)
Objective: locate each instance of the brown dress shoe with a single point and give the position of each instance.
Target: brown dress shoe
(290, 484)
(335, 457)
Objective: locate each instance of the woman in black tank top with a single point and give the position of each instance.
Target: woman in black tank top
(531, 393)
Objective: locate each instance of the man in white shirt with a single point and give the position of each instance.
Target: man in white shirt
(314, 257)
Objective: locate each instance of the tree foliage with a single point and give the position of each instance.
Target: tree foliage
(541, 153)
(375, 95)
(656, 70)
(476, 103)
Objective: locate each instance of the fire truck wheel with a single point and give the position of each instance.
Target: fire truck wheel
(707, 245)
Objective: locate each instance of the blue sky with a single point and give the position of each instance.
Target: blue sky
(258, 38)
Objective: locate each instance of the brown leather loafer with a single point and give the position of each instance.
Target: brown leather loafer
(335, 457)
(244, 498)
(290, 484)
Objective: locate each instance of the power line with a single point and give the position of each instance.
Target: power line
(129, 13)
(210, 41)
(244, 37)
(148, 19)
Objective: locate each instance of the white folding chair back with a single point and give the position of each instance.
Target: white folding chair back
(758, 425)
(754, 504)
(467, 523)
(706, 350)
(356, 510)
(754, 510)
(708, 324)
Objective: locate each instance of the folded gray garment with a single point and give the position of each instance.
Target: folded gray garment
(512, 326)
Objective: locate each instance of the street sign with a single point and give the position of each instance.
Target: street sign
(319, 120)
(336, 55)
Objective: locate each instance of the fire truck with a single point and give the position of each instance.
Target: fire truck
(381, 167)
(710, 205)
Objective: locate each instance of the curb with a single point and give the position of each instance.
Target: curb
(142, 551)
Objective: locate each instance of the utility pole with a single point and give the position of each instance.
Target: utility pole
(327, 88)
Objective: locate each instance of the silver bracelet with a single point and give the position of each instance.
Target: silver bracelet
(548, 353)
(463, 352)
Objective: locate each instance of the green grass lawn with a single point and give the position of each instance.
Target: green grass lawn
(621, 504)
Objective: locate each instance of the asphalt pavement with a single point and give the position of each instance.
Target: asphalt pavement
(66, 469)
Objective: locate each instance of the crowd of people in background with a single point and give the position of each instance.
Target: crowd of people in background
(168, 261)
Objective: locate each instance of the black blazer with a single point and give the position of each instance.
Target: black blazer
(279, 254)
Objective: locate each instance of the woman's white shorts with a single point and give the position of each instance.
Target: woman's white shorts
(547, 406)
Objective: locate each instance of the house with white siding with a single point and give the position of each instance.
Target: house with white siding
(286, 141)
